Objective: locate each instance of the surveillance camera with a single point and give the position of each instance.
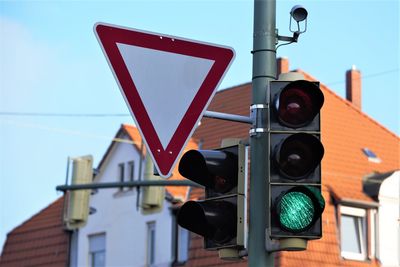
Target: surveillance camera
(298, 13)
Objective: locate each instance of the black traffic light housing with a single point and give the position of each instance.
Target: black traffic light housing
(302, 167)
(295, 105)
(220, 217)
(295, 155)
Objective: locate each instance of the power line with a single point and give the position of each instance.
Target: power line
(44, 114)
(68, 132)
(99, 115)
(366, 76)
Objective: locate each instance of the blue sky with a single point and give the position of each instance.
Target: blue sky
(50, 62)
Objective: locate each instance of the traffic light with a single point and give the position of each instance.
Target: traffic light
(295, 156)
(153, 196)
(220, 217)
(77, 208)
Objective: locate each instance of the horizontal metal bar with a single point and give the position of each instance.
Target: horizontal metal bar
(227, 117)
(295, 184)
(128, 184)
(293, 132)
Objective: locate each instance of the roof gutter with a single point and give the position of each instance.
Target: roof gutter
(357, 203)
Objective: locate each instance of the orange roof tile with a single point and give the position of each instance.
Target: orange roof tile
(178, 192)
(181, 192)
(41, 240)
(345, 131)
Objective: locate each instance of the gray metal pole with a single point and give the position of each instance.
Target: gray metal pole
(127, 184)
(264, 70)
(227, 117)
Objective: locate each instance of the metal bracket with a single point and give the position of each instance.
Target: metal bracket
(226, 116)
(284, 244)
(259, 118)
(292, 39)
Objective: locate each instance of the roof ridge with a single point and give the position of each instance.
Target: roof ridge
(233, 87)
(348, 103)
(35, 215)
(127, 129)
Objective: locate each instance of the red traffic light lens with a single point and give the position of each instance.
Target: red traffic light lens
(298, 155)
(214, 169)
(298, 103)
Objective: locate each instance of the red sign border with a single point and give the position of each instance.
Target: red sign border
(109, 35)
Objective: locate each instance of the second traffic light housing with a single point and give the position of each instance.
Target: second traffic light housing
(220, 217)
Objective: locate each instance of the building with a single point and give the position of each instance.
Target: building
(39, 241)
(122, 232)
(385, 189)
(357, 228)
(355, 147)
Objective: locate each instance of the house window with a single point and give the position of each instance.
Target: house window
(372, 157)
(131, 167)
(357, 233)
(151, 243)
(121, 170)
(97, 250)
(182, 245)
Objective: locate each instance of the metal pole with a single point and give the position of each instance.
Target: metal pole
(264, 70)
(128, 184)
(140, 174)
(227, 117)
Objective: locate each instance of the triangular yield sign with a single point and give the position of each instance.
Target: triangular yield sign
(167, 83)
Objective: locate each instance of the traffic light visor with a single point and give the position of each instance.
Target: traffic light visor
(215, 220)
(298, 155)
(299, 208)
(298, 103)
(216, 169)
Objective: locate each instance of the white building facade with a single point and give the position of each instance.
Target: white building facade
(117, 232)
(389, 221)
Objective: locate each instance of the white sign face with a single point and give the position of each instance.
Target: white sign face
(167, 83)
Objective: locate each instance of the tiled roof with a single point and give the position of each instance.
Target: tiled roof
(345, 132)
(39, 241)
(234, 100)
(177, 192)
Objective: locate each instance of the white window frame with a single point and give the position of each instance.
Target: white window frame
(92, 251)
(151, 244)
(182, 248)
(363, 238)
(373, 233)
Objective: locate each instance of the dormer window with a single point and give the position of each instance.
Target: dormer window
(357, 232)
(353, 233)
(372, 157)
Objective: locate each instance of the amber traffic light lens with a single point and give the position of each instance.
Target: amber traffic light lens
(298, 155)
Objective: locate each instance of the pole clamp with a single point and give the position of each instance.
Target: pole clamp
(259, 118)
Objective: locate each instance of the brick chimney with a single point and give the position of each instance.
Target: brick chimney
(353, 86)
(282, 65)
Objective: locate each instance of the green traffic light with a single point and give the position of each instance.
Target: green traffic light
(296, 211)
